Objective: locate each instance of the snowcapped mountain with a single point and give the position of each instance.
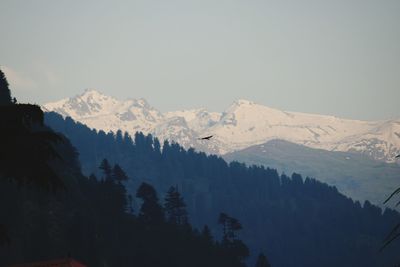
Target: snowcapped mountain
(107, 113)
(242, 125)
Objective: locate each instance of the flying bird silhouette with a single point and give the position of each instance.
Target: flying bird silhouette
(206, 137)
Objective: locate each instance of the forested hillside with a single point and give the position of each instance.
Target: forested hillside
(296, 221)
(50, 210)
(355, 175)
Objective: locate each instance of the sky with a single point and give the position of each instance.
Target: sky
(339, 57)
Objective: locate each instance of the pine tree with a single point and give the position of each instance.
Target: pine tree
(118, 174)
(230, 226)
(106, 168)
(157, 146)
(235, 248)
(27, 147)
(5, 94)
(119, 137)
(233, 226)
(262, 261)
(175, 207)
(151, 212)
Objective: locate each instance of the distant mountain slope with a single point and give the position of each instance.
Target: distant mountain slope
(355, 175)
(242, 125)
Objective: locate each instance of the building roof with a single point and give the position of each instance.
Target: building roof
(53, 263)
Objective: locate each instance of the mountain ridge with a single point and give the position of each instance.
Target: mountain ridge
(355, 175)
(243, 124)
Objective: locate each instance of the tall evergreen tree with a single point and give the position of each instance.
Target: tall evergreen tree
(230, 226)
(262, 261)
(118, 174)
(26, 147)
(106, 168)
(235, 248)
(233, 226)
(157, 146)
(5, 94)
(175, 207)
(151, 212)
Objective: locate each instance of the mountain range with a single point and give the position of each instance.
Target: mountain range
(240, 126)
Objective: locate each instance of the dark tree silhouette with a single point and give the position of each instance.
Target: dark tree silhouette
(5, 94)
(118, 174)
(233, 226)
(230, 226)
(106, 168)
(262, 261)
(175, 207)
(235, 248)
(151, 212)
(27, 147)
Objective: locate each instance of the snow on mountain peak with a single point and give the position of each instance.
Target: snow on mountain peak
(93, 96)
(242, 124)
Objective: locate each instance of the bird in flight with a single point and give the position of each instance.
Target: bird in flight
(206, 137)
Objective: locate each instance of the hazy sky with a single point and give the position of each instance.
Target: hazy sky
(330, 57)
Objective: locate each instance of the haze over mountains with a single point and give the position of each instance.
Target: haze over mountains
(240, 126)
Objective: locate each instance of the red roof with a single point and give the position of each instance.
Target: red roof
(53, 263)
